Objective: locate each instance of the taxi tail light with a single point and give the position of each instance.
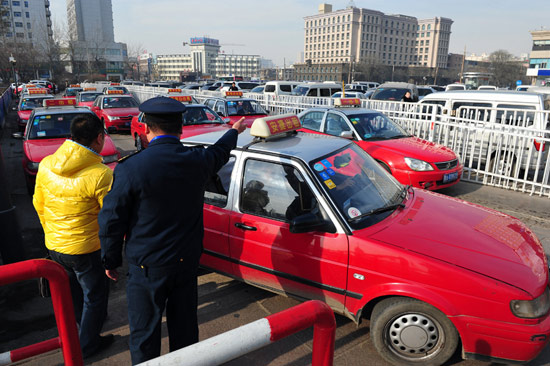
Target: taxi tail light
(532, 309)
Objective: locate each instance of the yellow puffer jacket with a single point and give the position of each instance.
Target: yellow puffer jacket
(69, 192)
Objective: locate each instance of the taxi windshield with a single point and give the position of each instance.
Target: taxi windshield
(200, 115)
(88, 97)
(376, 126)
(389, 94)
(31, 103)
(244, 108)
(361, 189)
(50, 126)
(119, 102)
(71, 92)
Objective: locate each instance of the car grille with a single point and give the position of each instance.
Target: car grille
(446, 165)
(126, 118)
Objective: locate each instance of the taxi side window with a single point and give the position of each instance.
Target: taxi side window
(312, 120)
(276, 191)
(210, 103)
(217, 186)
(220, 108)
(335, 125)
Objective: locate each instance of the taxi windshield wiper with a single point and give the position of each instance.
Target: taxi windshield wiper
(398, 137)
(377, 211)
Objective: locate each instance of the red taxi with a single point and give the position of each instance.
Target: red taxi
(409, 159)
(233, 106)
(197, 119)
(34, 98)
(72, 91)
(316, 217)
(47, 129)
(87, 97)
(115, 110)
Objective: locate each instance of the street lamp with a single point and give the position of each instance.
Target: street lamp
(13, 62)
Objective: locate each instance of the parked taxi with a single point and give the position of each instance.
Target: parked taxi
(116, 110)
(72, 91)
(197, 119)
(47, 129)
(87, 97)
(411, 160)
(34, 98)
(233, 106)
(316, 217)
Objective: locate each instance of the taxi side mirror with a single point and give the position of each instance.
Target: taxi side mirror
(227, 120)
(17, 135)
(310, 222)
(347, 135)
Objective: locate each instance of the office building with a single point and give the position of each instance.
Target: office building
(539, 58)
(91, 29)
(207, 61)
(27, 22)
(370, 36)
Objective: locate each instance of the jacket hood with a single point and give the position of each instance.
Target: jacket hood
(71, 157)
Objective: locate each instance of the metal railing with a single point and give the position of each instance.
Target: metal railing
(500, 147)
(68, 339)
(238, 342)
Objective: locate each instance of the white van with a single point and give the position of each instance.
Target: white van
(317, 89)
(280, 87)
(499, 110)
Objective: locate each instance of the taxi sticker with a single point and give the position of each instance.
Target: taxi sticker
(35, 123)
(324, 176)
(41, 133)
(48, 117)
(60, 118)
(354, 120)
(330, 172)
(319, 167)
(330, 184)
(368, 135)
(42, 117)
(326, 163)
(353, 212)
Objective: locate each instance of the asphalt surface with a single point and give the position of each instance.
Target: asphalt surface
(224, 304)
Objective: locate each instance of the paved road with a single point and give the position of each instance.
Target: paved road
(224, 304)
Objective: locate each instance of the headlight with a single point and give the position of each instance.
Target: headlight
(418, 165)
(531, 308)
(32, 165)
(113, 118)
(110, 158)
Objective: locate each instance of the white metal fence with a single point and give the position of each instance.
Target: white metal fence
(499, 147)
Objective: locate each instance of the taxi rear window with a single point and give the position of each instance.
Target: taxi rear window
(50, 126)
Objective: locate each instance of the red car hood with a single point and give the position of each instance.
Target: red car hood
(36, 150)
(469, 236)
(24, 114)
(247, 119)
(121, 112)
(412, 147)
(188, 131)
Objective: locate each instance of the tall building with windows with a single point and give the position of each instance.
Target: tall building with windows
(93, 46)
(28, 22)
(364, 35)
(539, 59)
(206, 60)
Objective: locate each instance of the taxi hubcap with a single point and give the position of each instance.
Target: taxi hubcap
(413, 334)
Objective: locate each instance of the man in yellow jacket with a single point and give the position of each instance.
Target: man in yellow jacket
(70, 186)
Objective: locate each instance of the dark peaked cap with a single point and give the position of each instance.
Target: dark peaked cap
(161, 105)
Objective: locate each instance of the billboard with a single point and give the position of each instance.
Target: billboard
(204, 40)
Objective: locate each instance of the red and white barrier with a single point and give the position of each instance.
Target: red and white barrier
(240, 341)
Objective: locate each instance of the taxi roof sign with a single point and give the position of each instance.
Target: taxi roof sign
(347, 102)
(114, 84)
(271, 126)
(115, 91)
(182, 98)
(30, 86)
(90, 89)
(232, 93)
(174, 90)
(74, 86)
(37, 91)
(67, 102)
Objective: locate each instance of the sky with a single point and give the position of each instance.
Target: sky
(274, 29)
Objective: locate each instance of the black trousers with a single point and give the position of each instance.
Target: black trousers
(149, 292)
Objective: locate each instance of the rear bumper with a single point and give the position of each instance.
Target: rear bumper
(484, 339)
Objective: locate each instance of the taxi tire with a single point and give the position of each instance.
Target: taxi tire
(396, 343)
(138, 143)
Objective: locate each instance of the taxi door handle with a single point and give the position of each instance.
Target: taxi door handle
(245, 227)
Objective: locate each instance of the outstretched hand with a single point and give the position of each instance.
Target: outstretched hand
(240, 126)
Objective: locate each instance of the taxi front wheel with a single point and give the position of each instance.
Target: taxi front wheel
(407, 331)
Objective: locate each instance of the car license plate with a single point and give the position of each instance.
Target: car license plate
(127, 124)
(450, 177)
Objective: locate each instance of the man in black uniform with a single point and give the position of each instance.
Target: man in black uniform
(156, 202)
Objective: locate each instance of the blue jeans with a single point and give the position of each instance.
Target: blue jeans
(149, 292)
(89, 290)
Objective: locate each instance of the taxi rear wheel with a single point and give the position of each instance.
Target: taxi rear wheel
(139, 144)
(408, 331)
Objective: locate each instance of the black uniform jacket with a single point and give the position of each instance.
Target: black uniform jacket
(156, 202)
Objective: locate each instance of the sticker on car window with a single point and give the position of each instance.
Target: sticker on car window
(326, 163)
(330, 172)
(41, 133)
(60, 118)
(48, 117)
(324, 176)
(353, 212)
(330, 184)
(368, 135)
(319, 167)
(354, 120)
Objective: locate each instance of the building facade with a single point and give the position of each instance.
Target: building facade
(364, 35)
(93, 48)
(27, 22)
(206, 61)
(539, 58)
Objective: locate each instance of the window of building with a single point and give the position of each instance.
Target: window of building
(429, 26)
(29, 35)
(427, 34)
(20, 35)
(16, 3)
(19, 24)
(17, 14)
(26, 4)
(9, 34)
(5, 2)
(27, 14)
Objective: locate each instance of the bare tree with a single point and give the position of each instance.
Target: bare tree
(506, 71)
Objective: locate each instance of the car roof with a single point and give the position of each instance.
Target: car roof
(346, 111)
(302, 145)
(59, 110)
(486, 95)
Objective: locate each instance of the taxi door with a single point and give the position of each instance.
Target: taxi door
(311, 265)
